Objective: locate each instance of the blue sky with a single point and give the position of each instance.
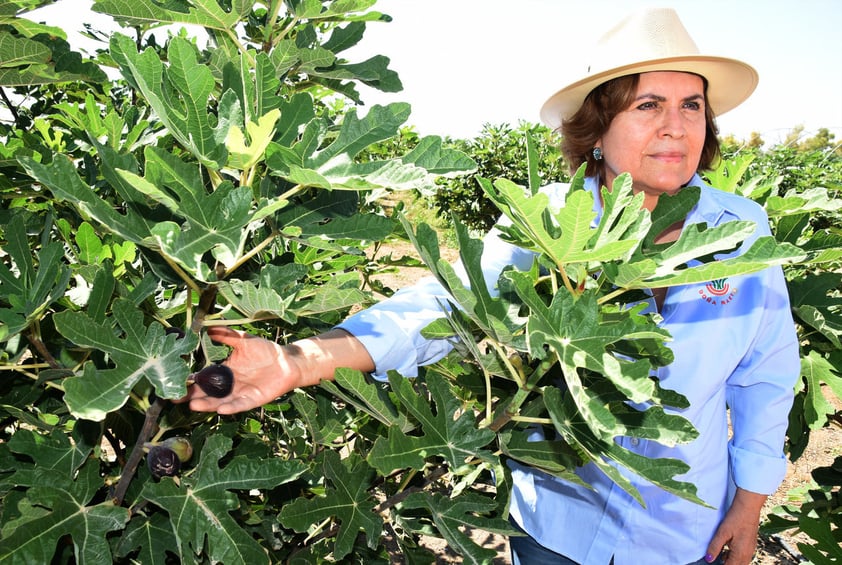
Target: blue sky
(464, 63)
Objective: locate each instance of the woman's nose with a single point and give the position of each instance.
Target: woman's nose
(673, 123)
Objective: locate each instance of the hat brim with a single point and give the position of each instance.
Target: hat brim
(730, 83)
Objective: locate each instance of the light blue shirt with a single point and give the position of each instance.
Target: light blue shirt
(735, 345)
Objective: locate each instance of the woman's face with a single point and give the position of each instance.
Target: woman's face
(658, 139)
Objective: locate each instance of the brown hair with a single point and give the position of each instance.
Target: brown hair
(582, 130)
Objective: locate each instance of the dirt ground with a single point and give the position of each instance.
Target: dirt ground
(782, 549)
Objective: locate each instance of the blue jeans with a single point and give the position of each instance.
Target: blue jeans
(526, 551)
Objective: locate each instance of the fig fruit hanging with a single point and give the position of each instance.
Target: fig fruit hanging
(164, 459)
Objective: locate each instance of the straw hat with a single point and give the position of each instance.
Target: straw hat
(653, 40)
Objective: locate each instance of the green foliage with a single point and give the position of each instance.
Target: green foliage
(815, 511)
(500, 152)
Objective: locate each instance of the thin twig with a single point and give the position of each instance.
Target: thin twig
(150, 426)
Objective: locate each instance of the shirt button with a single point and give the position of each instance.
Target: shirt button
(635, 442)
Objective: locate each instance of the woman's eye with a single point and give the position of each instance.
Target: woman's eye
(693, 105)
(648, 105)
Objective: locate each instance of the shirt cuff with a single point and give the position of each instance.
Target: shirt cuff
(754, 472)
(386, 342)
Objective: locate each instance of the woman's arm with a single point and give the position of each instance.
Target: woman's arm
(264, 370)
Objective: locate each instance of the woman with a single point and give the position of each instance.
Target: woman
(646, 107)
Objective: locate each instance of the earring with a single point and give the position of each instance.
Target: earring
(597, 153)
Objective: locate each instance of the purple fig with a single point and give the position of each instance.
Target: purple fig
(162, 461)
(215, 380)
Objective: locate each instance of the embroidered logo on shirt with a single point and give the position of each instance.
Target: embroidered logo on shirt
(718, 292)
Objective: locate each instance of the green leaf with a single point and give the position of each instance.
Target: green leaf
(353, 387)
(258, 303)
(17, 51)
(530, 215)
(320, 420)
(696, 243)
(456, 439)
(180, 95)
(816, 370)
(215, 221)
(602, 450)
(573, 329)
(219, 221)
(494, 315)
(40, 55)
(432, 157)
(453, 516)
(28, 290)
(91, 249)
(347, 500)
(69, 514)
(137, 352)
(54, 452)
(245, 153)
(203, 501)
(805, 201)
(554, 457)
(205, 13)
(152, 535)
(63, 180)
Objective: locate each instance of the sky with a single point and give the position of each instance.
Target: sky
(466, 63)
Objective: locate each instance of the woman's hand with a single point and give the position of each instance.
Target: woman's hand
(738, 530)
(264, 370)
(261, 373)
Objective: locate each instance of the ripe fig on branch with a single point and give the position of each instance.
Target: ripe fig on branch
(162, 462)
(164, 459)
(215, 380)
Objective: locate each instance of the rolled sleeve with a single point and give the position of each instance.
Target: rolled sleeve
(760, 394)
(391, 330)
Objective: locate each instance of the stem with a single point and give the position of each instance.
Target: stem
(24, 368)
(611, 295)
(567, 284)
(399, 497)
(238, 322)
(187, 280)
(511, 410)
(531, 420)
(150, 425)
(42, 349)
(291, 192)
(272, 18)
(11, 107)
(257, 249)
(518, 375)
(284, 32)
(206, 301)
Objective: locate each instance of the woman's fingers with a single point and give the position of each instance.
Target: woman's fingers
(226, 336)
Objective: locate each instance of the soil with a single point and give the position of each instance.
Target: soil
(781, 549)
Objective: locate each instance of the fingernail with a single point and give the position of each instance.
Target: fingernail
(709, 558)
